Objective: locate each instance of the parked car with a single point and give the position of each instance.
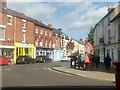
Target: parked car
(65, 58)
(25, 59)
(42, 59)
(4, 60)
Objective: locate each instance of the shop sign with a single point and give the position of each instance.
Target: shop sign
(24, 45)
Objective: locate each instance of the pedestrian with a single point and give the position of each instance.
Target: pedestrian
(96, 60)
(86, 61)
(73, 61)
(82, 61)
(107, 62)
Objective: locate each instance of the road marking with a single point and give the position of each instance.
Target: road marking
(45, 68)
(35, 68)
(60, 72)
(8, 69)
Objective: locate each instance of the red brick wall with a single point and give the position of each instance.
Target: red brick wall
(30, 32)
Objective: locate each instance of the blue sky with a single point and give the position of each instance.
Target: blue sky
(75, 18)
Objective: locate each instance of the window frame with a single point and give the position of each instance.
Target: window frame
(9, 16)
(2, 26)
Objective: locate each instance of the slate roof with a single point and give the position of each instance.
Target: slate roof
(116, 17)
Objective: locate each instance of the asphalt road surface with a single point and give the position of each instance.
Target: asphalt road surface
(40, 75)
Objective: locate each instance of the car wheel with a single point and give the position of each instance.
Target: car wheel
(43, 61)
(9, 63)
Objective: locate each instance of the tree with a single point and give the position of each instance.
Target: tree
(90, 35)
(70, 46)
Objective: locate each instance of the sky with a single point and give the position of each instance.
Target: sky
(75, 17)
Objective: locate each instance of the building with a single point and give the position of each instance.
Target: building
(43, 39)
(57, 44)
(106, 35)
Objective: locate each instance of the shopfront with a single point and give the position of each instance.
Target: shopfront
(7, 51)
(23, 49)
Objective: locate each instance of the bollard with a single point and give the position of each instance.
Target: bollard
(117, 74)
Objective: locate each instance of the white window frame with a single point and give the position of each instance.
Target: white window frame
(41, 30)
(36, 29)
(2, 26)
(45, 32)
(23, 21)
(41, 42)
(23, 38)
(9, 16)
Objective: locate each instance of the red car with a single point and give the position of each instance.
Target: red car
(4, 60)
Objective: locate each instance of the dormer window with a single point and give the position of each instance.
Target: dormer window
(9, 19)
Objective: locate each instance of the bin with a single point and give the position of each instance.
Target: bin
(117, 74)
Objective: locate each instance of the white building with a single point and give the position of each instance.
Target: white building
(107, 35)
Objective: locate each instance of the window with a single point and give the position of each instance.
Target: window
(9, 19)
(23, 23)
(119, 33)
(41, 31)
(109, 36)
(50, 44)
(23, 36)
(36, 29)
(45, 32)
(2, 33)
(108, 20)
(41, 40)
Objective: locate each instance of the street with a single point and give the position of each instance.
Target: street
(40, 74)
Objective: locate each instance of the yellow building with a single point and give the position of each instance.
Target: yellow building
(23, 49)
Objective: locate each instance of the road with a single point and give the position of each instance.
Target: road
(40, 74)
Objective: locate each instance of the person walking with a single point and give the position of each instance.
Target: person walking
(82, 61)
(107, 62)
(86, 61)
(96, 60)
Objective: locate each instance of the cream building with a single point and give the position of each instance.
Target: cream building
(107, 35)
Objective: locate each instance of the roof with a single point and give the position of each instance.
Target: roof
(104, 17)
(116, 17)
(21, 15)
(57, 31)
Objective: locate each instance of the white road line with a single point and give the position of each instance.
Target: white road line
(60, 72)
(45, 68)
(8, 69)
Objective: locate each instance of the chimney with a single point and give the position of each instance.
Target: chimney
(50, 25)
(60, 29)
(110, 8)
(3, 3)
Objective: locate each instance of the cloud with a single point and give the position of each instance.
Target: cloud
(82, 17)
(35, 10)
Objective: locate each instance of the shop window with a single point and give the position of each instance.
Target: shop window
(26, 51)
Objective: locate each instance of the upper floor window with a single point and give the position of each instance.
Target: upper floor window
(45, 32)
(2, 33)
(108, 20)
(119, 33)
(9, 19)
(41, 31)
(23, 36)
(109, 36)
(36, 29)
(23, 23)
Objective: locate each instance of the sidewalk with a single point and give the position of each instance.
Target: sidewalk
(96, 74)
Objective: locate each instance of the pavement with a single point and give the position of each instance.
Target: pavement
(100, 73)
